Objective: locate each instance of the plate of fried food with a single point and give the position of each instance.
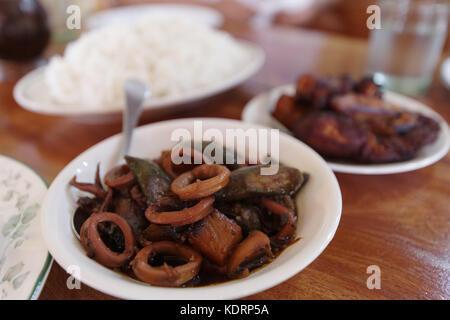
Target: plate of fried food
(148, 227)
(355, 125)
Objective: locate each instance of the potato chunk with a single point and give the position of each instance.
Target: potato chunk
(215, 236)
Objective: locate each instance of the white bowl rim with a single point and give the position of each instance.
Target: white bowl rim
(228, 290)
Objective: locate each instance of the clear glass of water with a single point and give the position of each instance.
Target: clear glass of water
(404, 53)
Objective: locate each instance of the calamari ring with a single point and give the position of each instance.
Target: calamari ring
(120, 177)
(288, 230)
(166, 275)
(96, 248)
(216, 176)
(167, 164)
(181, 217)
(174, 170)
(256, 244)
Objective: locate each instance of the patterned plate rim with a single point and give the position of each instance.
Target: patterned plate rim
(42, 277)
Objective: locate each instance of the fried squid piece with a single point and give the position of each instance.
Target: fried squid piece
(331, 135)
(215, 237)
(251, 253)
(95, 188)
(120, 177)
(166, 264)
(288, 219)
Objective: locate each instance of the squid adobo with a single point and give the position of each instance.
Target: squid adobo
(187, 225)
(349, 120)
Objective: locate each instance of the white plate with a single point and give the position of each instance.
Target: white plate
(129, 14)
(319, 204)
(24, 259)
(32, 93)
(259, 109)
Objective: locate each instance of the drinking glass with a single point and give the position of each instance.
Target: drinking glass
(404, 53)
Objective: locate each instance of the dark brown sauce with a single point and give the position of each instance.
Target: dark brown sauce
(160, 259)
(204, 279)
(111, 236)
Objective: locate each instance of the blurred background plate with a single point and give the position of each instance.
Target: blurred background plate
(127, 14)
(259, 109)
(24, 259)
(32, 94)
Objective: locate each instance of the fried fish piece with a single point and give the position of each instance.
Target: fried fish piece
(331, 134)
(351, 103)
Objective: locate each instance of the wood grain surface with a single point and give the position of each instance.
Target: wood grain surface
(399, 222)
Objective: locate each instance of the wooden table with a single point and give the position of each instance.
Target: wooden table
(398, 222)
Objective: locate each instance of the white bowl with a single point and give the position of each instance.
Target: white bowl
(319, 207)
